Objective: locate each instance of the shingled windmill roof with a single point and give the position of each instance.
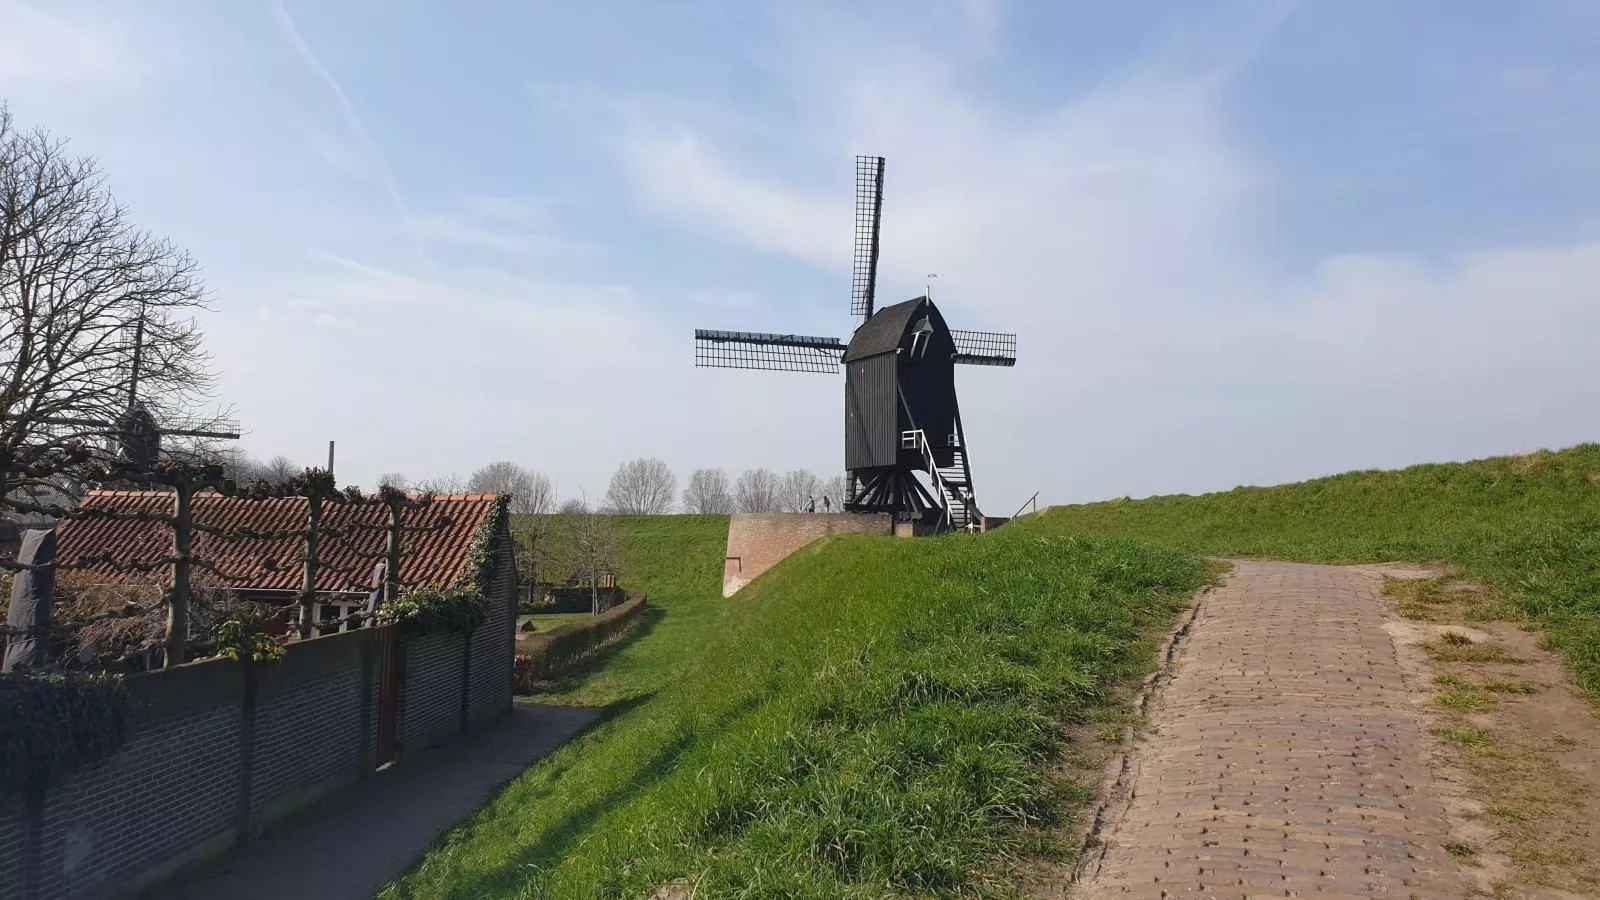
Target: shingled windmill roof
(438, 556)
(882, 333)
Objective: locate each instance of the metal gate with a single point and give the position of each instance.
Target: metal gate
(388, 645)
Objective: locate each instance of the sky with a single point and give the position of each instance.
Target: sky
(1240, 242)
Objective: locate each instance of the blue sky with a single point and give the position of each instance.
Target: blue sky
(1241, 242)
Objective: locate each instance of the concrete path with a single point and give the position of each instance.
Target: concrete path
(356, 842)
(1286, 758)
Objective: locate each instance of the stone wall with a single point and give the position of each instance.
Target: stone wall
(757, 542)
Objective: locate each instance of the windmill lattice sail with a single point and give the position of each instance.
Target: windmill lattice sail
(773, 352)
(984, 348)
(869, 212)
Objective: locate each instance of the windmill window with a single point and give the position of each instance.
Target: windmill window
(919, 338)
(908, 440)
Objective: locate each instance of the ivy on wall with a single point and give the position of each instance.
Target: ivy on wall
(53, 723)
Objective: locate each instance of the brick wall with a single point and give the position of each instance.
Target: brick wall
(218, 748)
(174, 786)
(430, 692)
(493, 644)
(309, 721)
(13, 837)
(757, 542)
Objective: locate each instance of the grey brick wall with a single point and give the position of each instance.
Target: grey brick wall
(13, 831)
(308, 724)
(430, 693)
(493, 644)
(174, 791)
(173, 786)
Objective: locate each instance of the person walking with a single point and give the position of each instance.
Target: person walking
(811, 504)
(826, 503)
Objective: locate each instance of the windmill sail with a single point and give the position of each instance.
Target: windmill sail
(985, 348)
(869, 211)
(774, 352)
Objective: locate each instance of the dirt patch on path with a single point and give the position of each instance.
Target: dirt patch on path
(1514, 744)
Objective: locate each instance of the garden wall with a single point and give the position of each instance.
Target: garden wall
(219, 749)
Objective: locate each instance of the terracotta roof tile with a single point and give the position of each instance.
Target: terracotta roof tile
(438, 556)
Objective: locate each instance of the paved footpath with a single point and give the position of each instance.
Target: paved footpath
(351, 845)
(1287, 759)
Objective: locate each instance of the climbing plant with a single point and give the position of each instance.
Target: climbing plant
(52, 723)
(428, 610)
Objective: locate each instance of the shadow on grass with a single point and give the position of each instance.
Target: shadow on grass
(575, 674)
(556, 840)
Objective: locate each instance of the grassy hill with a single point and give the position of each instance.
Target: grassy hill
(1527, 526)
(871, 718)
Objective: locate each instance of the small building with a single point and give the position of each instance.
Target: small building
(269, 570)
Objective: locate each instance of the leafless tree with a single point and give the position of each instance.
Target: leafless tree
(442, 484)
(833, 489)
(94, 312)
(642, 487)
(586, 544)
(531, 492)
(756, 491)
(708, 493)
(396, 480)
(240, 466)
(798, 491)
(572, 506)
(280, 468)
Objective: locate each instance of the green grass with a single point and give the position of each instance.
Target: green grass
(873, 718)
(1527, 527)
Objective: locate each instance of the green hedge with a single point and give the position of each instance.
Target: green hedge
(544, 656)
(51, 724)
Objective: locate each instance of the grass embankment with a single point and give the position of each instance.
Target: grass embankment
(1528, 527)
(873, 718)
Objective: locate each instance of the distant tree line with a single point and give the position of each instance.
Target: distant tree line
(644, 486)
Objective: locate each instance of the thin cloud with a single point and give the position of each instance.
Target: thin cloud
(353, 119)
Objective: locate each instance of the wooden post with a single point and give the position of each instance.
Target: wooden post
(308, 583)
(178, 597)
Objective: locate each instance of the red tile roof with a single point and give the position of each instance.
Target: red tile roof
(434, 556)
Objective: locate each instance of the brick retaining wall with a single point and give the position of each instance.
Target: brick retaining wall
(757, 542)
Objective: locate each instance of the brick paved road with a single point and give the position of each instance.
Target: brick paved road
(1286, 760)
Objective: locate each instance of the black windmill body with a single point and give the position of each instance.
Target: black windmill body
(901, 416)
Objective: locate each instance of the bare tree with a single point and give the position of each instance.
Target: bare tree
(798, 491)
(756, 491)
(708, 493)
(442, 484)
(642, 487)
(280, 468)
(572, 506)
(531, 492)
(834, 489)
(396, 480)
(586, 544)
(94, 312)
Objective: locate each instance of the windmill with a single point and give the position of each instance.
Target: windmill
(900, 411)
(135, 432)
